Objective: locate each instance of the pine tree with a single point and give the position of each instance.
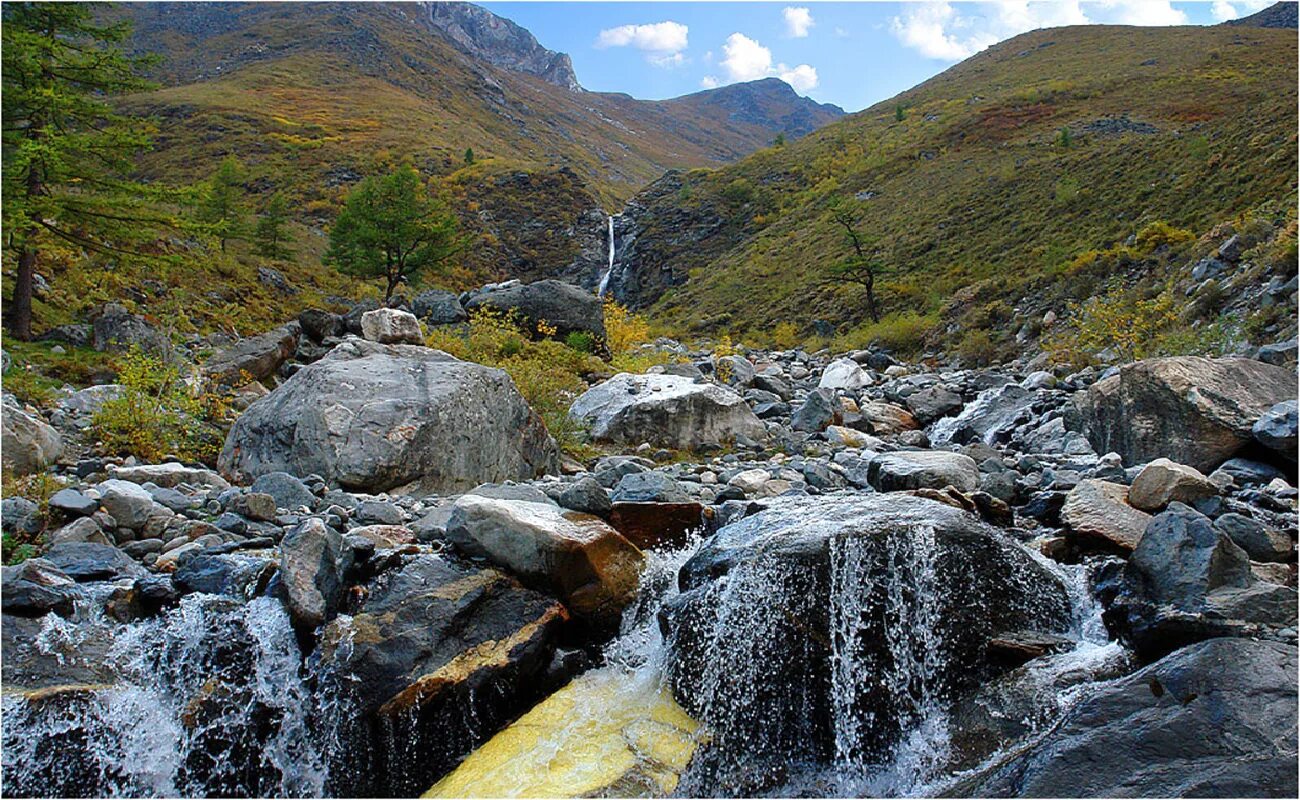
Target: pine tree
(66, 151)
(391, 228)
(224, 205)
(270, 234)
(469, 156)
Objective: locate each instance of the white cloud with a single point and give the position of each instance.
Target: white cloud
(747, 60)
(662, 37)
(841, 33)
(662, 42)
(951, 32)
(801, 78)
(1224, 10)
(797, 21)
(709, 82)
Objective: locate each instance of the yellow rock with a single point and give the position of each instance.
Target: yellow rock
(609, 733)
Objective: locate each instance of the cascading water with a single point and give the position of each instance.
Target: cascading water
(609, 267)
(207, 699)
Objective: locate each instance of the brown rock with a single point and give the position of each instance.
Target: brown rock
(1098, 515)
(1163, 481)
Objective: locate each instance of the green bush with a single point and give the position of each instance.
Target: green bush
(976, 348)
(581, 341)
(900, 332)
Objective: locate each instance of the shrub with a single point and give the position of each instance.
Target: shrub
(581, 341)
(627, 336)
(1161, 234)
(976, 348)
(157, 415)
(785, 336)
(39, 488)
(901, 332)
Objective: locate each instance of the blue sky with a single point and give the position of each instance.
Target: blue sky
(850, 54)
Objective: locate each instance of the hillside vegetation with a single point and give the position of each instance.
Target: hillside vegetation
(985, 183)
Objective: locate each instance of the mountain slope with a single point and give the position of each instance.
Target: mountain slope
(977, 185)
(312, 90)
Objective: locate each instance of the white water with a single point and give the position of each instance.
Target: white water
(609, 268)
(207, 699)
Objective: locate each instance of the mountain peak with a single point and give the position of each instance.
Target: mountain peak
(1278, 15)
(500, 42)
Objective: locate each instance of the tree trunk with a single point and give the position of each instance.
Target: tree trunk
(872, 309)
(19, 318)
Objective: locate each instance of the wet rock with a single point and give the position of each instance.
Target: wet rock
(253, 359)
(1099, 516)
(374, 417)
(1276, 429)
(665, 410)
(438, 656)
(753, 655)
(83, 529)
(576, 557)
(989, 419)
(27, 443)
(91, 561)
(235, 575)
(648, 525)
(37, 587)
(1216, 719)
(887, 418)
(313, 561)
(1196, 411)
(932, 403)
(924, 469)
(1162, 482)
(1186, 582)
(391, 326)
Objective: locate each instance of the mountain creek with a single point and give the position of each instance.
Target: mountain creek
(994, 494)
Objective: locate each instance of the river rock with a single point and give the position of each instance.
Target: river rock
(232, 574)
(287, 491)
(844, 373)
(169, 475)
(932, 403)
(989, 418)
(819, 589)
(439, 655)
(1217, 719)
(391, 326)
(574, 556)
(82, 529)
(887, 418)
(1186, 582)
(1276, 429)
(1099, 516)
(665, 410)
(1196, 411)
(27, 443)
(586, 495)
(563, 306)
(91, 561)
(255, 358)
(372, 417)
(73, 503)
(1261, 542)
(37, 587)
(1163, 481)
(923, 469)
(819, 410)
(313, 561)
(649, 487)
(128, 503)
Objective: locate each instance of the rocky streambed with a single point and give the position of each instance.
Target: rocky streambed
(794, 574)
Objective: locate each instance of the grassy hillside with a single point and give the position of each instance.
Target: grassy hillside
(994, 175)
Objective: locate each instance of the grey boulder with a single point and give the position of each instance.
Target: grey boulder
(923, 469)
(27, 443)
(255, 358)
(665, 410)
(372, 417)
(563, 306)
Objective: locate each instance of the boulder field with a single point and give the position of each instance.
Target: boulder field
(782, 572)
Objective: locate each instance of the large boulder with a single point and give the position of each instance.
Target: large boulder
(844, 373)
(1196, 411)
(1163, 481)
(117, 330)
(923, 469)
(665, 410)
(1217, 719)
(27, 443)
(828, 626)
(439, 655)
(989, 419)
(437, 307)
(562, 306)
(168, 475)
(574, 556)
(1276, 429)
(128, 503)
(375, 417)
(36, 587)
(255, 358)
(1099, 517)
(1188, 581)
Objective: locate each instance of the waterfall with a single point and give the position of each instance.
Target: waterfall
(609, 267)
(208, 699)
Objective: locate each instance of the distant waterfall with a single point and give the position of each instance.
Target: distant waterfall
(609, 268)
